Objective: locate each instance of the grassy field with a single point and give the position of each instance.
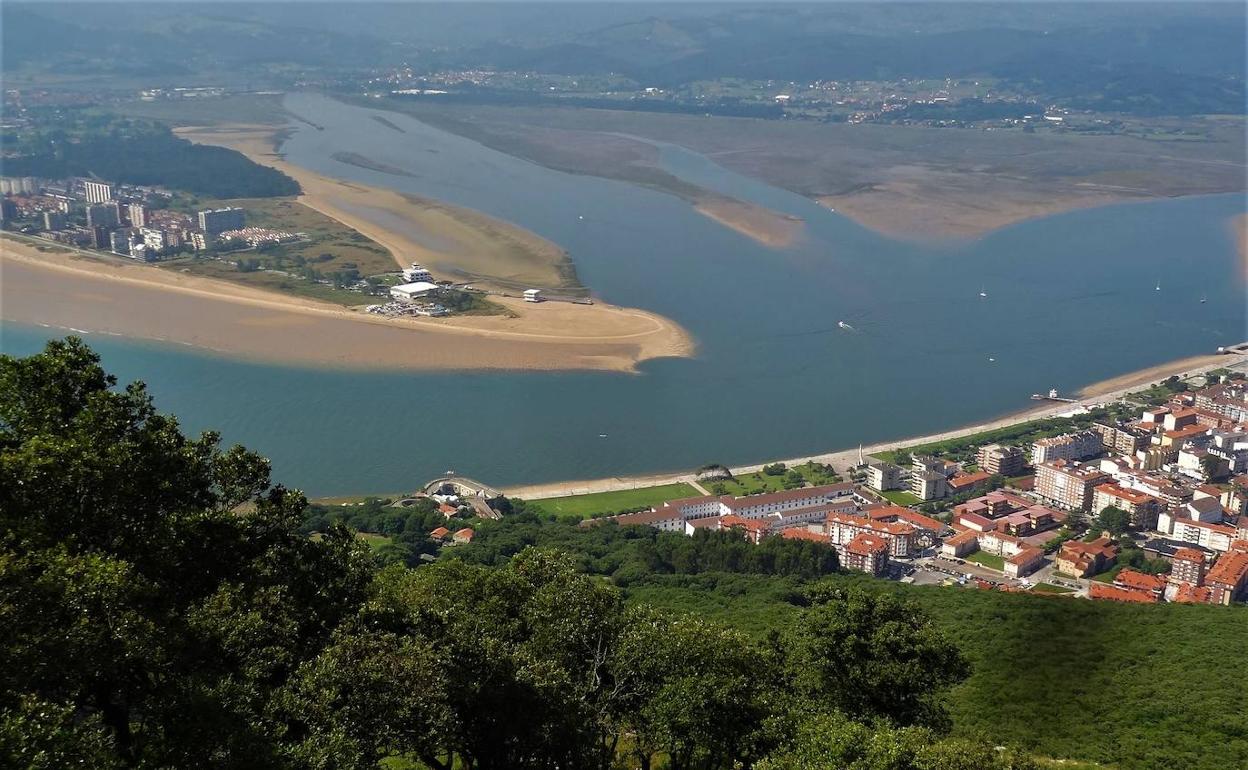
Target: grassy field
(585, 506)
(758, 482)
(1095, 681)
(1049, 588)
(329, 248)
(901, 497)
(991, 561)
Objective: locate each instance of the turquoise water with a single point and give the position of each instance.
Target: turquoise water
(1071, 300)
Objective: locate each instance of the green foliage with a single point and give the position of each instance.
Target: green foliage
(619, 501)
(162, 606)
(1113, 520)
(831, 741)
(138, 152)
(864, 653)
(632, 554)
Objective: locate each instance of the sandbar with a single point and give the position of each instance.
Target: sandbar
(56, 287)
(470, 245)
(910, 211)
(770, 228)
(1239, 230)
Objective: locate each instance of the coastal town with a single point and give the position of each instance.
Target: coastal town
(1148, 509)
(1142, 506)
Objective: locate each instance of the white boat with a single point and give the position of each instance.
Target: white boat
(1158, 288)
(1203, 300)
(983, 293)
(843, 325)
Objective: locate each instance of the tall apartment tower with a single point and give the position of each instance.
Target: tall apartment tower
(137, 214)
(98, 192)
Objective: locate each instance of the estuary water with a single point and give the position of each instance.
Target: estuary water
(1071, 299)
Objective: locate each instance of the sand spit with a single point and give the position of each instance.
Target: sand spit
(770, 228)
(66, 290)
(472, 245)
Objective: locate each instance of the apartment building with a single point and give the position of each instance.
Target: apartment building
(844, 527)
(866, 553)
(1142, 508)
(928, 485)
(1000, 460)
(883, 476)
(1068, 446)
(1187, 566)
(1067, 484)
(1228, 579)
(1123, 439)
(1084, 559)
(97, 192)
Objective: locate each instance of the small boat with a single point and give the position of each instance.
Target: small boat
(1203, 300)
(843, 325)
(992, 360)
(982, 293)
(1158, 288)
(602, 435)
(580, 217)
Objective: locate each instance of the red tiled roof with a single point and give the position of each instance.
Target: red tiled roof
(784, 495)
(1140, 581)
(907, 515)
(1130, 495)
(864, 545)
(1026, 556)
(1114, 593)
(1190, 594)
(801, 533)
(440, 532)
(1230, 569)
(963, 537)
(464, 534)
(1188, 554)
(968, 480)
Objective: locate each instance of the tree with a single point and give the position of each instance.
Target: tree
(1212, 466)
(135, 593)
(1113, 520)
(832, 741)
(872, 656)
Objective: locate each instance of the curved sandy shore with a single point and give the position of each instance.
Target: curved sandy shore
(70, 291)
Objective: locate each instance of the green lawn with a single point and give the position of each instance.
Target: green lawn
(758, 482)
(586, 506)
(1049, 588)
(1108, 575)
(901, 497)
(373, 540)
(988, 560)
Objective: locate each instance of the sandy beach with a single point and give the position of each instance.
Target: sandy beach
(1108, 390)
(72, 292)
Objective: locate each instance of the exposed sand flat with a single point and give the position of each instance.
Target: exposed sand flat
(470, 245)
(1239, 227)
(912, 211)
(1108, 390)
(67, 291)
(765, 226)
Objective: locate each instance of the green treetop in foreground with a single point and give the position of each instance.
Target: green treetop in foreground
(160, 608)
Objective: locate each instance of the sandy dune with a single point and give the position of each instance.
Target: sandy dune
(65, 290)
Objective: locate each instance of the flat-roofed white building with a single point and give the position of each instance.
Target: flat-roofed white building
(412, 291)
